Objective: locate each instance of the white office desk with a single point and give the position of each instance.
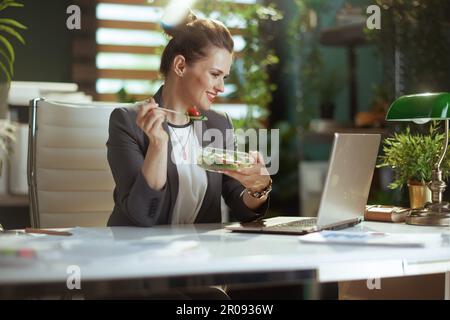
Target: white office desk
(151, 259)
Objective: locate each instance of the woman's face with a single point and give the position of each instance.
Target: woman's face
(204, 79)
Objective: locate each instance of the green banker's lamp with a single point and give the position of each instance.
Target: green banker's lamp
(421, 108)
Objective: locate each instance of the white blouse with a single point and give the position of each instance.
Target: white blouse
(192, 179)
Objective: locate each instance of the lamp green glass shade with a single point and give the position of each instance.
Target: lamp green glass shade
(420, 108)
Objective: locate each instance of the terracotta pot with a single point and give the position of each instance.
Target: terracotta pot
(419, 194)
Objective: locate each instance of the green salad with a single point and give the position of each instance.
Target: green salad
(213, 159)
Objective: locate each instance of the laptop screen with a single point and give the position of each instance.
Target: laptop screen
(347, 186)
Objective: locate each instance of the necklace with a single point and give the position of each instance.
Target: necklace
(183, 147)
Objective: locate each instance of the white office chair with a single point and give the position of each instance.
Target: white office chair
(69, 178)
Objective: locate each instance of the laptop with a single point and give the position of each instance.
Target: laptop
(344, 198)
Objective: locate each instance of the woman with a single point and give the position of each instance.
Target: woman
(150, 150)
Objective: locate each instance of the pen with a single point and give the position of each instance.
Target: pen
(21, 253)
(48, 232)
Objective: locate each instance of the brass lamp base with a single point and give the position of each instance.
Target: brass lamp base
(434, 214)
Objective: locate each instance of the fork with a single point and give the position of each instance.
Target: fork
(141, 103)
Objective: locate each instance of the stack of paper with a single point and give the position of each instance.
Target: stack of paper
(376, 238)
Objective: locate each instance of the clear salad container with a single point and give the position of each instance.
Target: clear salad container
(214, 159)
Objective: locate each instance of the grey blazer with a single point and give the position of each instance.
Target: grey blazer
(137, 204)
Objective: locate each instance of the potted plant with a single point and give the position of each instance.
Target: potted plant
(412, 157)
(8, 29)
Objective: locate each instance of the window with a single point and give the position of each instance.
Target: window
(129, 43)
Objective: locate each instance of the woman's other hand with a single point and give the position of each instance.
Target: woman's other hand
(254, 178)
(149, 119)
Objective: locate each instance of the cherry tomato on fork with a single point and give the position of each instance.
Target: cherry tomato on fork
(193, 112)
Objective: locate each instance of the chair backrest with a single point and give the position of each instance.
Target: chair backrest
(69, 178)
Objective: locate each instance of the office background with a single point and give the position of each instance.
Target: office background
(329, 72)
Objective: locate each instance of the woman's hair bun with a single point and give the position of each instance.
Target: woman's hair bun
(172, 30)
(191, 38)
(191, 17)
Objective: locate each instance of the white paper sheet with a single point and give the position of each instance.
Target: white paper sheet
(376, 238)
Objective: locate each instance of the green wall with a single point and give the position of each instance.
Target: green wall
(368, 74)
(368, 71)
(47, 53)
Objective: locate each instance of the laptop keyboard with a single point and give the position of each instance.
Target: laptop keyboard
(299, 224)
